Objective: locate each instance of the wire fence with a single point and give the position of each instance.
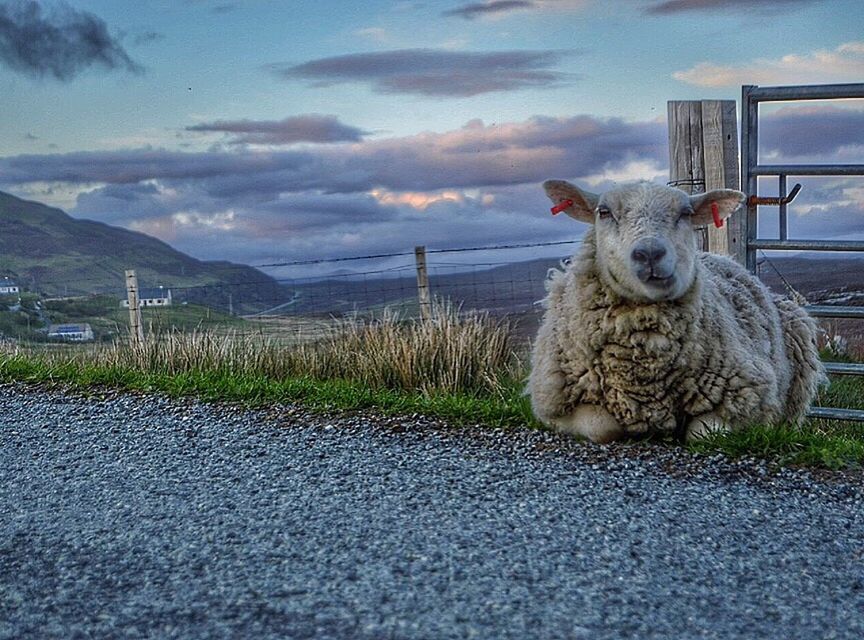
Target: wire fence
(266, 302)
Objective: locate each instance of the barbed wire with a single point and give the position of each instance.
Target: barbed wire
(409, 253)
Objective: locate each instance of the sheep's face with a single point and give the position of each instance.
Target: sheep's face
(645, 234)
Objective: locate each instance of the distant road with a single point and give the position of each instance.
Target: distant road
(142, 517)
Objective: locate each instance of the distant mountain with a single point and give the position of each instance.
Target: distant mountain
(51, 253)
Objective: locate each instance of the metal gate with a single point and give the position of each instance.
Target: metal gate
(751, 96)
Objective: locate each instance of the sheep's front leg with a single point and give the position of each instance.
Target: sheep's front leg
(705, 425)
(592, 422)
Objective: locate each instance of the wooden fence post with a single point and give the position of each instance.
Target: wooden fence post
(136, 328)
(423, 283)
(703, 155)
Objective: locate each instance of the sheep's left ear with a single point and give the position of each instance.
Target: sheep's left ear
(727, 200)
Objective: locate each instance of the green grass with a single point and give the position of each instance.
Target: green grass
(825, 445)
(108, 320)
(509, 409)
(461, 369)
(832, 444)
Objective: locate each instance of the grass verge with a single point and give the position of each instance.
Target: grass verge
(459, 368)
(509, 408)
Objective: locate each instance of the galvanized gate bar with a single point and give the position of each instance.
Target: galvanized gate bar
(826, 311)
(844, 368)
(751, 96)
(807, 169)
(749, 158)
(807, 245)
(829, 413)
(808, 92)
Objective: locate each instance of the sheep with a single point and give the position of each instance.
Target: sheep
(644, 333)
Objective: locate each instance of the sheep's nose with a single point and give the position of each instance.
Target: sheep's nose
(648, 252)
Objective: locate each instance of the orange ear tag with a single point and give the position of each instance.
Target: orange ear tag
(558, 208)
(715, 212)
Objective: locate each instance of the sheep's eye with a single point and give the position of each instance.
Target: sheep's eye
(685, 212)
(603, 211)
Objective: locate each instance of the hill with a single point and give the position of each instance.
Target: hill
(53, 254)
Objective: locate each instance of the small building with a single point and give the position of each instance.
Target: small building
(9, 287)
(81, 332)
(158, 297)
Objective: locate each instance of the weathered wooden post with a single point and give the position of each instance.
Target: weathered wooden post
(136, 328)
(703, 155)
(423, 283)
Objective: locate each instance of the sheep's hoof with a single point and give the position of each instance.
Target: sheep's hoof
(704, 426)
(592, 422)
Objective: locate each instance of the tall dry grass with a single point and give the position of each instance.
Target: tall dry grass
(450, 352)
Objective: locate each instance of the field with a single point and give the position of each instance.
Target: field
(350, 343)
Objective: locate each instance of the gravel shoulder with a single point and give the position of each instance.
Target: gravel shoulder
(141, 516)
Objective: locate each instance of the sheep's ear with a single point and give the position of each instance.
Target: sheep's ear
(727, 200)
(584, 202)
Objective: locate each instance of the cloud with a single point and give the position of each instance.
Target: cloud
(474, 185)
(61, 43)
(221, 7)
(681, 6)
(490, 7)
(843, 64)
(827, 207)
(477, 184)
(378, 34)
(293, 129)
(812, 132)
(431, 72)
(148, 37)
(503, 8)
(474, 155)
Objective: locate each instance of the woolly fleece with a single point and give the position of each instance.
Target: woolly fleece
(728, 348)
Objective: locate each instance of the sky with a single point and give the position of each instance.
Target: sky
(266, 131)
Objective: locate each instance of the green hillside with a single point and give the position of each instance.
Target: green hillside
(53, 254)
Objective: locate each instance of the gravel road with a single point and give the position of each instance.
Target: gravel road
(138, 516)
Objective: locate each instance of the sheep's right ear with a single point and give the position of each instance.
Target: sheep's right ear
(584, 202)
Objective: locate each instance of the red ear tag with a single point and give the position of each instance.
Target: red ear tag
(715, 212)
(558, 208)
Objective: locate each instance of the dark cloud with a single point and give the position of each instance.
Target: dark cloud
(119, 167)
(224, 8)
(148, 37)
(812, 132)
(479, 184)
(60, 43)
(123, 203)
(309, 225)
(431, 72)
(826, 208)
(30, 136)
(475, 155)
(680, 6)
(477, 9)
(303, 128)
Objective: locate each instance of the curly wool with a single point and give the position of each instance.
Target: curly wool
(727, 347)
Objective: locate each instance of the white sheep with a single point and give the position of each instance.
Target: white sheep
(644, 333)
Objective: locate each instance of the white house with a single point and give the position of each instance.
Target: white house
(8, 287)
(72, 332)
(159, 297)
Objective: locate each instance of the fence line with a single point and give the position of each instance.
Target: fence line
(288, 306)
